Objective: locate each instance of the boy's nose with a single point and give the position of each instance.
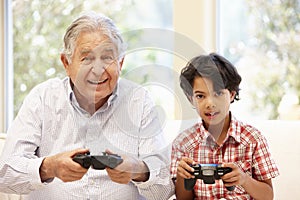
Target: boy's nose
(210, 104)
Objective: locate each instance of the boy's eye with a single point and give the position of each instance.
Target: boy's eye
(199, 96)
(219, 93)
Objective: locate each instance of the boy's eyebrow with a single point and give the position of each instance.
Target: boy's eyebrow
(199, 92)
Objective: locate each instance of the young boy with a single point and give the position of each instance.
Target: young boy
(211, 84)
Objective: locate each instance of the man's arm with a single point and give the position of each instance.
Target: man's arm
(131, 169)
(62, 166)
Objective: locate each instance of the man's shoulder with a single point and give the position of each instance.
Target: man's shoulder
(51, 83)
(128, 84)
(127, 87)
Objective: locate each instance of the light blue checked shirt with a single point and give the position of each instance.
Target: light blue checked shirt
(51, 121)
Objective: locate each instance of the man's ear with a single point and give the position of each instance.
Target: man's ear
(65, 62)
(121, 62)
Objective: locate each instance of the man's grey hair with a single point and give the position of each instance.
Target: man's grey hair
(92, 22)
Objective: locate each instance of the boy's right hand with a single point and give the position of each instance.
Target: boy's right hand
(184, 168)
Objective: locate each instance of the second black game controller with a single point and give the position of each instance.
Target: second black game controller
(208, 173)
(98, 161)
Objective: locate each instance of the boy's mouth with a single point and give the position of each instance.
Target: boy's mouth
(211, 114)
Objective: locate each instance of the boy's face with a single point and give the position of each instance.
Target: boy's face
(212, 106)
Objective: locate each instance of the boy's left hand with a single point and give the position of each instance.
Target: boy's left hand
(236, 177)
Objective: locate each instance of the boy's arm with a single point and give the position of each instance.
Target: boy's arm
(256, 189)
(183, 171)
(181, 192)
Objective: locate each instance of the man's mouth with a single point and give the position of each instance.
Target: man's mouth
(97, 82)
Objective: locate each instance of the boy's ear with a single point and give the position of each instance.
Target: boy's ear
(232, 95)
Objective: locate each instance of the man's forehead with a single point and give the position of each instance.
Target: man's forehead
(108, 47)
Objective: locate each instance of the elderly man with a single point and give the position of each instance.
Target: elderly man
(91, 110)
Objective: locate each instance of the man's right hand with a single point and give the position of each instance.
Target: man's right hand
(62, 166)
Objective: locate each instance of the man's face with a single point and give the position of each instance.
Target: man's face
(212, 106)
(94, 68)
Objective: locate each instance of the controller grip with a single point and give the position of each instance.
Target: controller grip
(230, 188)
(189, 183)
(83, 160)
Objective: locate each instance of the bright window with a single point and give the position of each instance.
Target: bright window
(262, 39)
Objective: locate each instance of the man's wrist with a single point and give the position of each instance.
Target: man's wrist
(144, 173)
(46, 171)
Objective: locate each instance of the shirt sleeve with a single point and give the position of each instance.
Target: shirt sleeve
(19, 165)
(155, 153)
(263, 164)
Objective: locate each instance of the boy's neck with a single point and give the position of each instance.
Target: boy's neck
(219, 131)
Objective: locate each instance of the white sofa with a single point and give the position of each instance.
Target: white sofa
(283, 138)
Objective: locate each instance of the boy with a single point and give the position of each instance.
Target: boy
(211, 84)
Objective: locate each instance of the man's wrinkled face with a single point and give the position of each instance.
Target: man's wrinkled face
(94, 68)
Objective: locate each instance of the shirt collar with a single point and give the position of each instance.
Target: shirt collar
(234, 130)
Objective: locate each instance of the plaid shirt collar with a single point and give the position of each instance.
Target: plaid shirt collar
(234, 131)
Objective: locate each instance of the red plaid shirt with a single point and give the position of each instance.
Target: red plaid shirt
(244, 145)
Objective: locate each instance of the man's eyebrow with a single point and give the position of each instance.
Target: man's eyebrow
(108, 49)
(84, 51)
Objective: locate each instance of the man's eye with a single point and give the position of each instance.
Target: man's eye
(107, 58)
(86, 59)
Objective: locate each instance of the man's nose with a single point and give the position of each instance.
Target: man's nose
(98, 68)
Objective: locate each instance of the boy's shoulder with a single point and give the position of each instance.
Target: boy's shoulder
(248, 132)
(188, 136)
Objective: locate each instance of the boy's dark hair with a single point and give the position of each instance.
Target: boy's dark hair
(213, 66)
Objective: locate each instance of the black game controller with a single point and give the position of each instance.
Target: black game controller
(208, 173)
(98, 162)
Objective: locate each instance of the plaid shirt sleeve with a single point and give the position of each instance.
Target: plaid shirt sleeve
(263, 165)
(176, 156)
